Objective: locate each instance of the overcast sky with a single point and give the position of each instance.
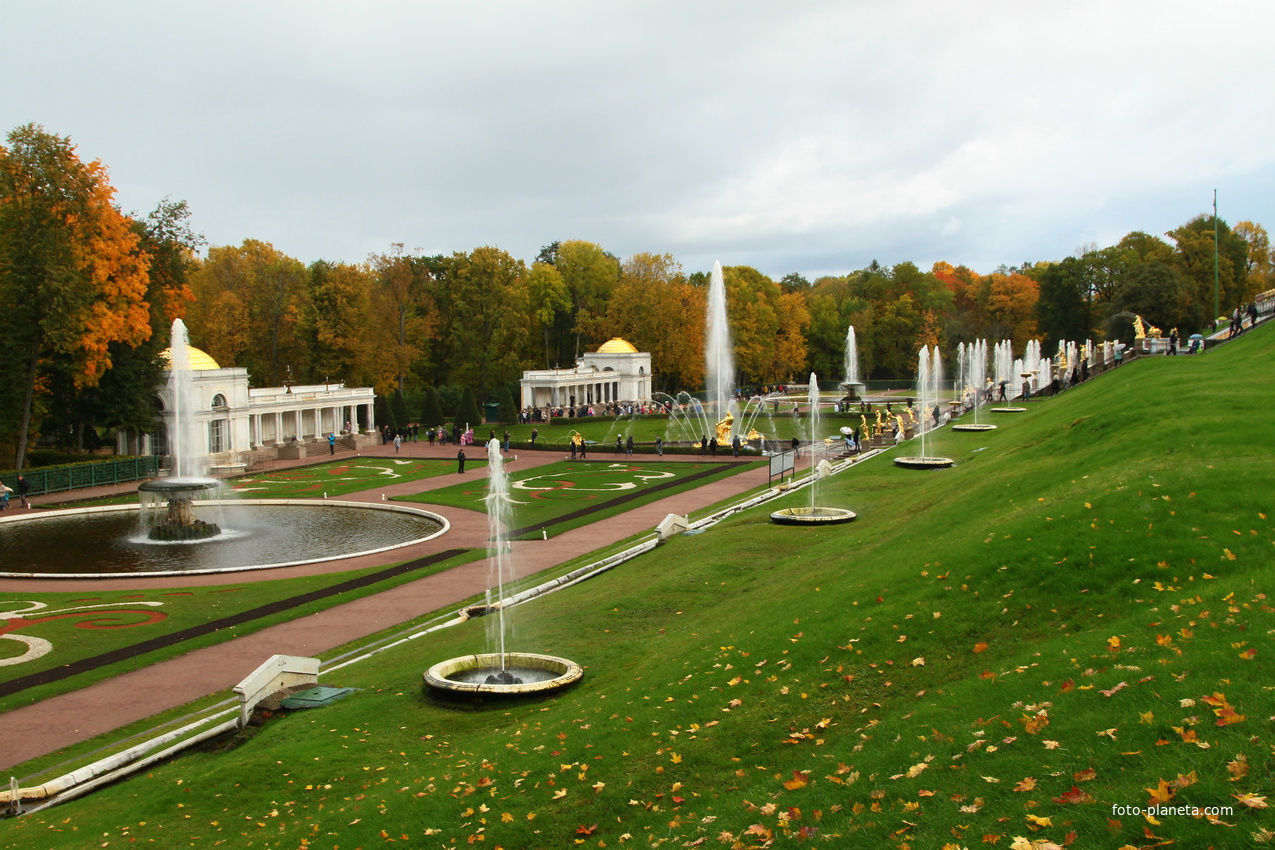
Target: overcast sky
(790, 136)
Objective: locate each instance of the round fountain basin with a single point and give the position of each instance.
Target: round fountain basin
(811, 516)
(974, 426)
(257, 534)
(923, 462)
(467, 675)
(168, 486)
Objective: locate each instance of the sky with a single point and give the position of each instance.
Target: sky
(809, 137)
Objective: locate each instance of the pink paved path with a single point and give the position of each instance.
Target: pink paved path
(47, 726)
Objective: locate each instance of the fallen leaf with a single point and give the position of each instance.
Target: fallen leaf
(1075, 796)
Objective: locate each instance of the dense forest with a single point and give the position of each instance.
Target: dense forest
(87, 294)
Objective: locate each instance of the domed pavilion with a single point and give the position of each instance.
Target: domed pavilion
(616, 373)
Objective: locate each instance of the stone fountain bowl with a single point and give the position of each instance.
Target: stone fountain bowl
(465, 676)
(811, 516)
(974, 426)
(923, 462)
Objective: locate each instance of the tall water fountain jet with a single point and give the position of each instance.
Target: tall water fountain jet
(818, 469)
(973, 372)
(929, 376)
(1008, 382)
(500, 672)
(167, 504)
(852, 384)
(719, 357)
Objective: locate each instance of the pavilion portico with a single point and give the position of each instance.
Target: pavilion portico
(615, 373)
(234, 422)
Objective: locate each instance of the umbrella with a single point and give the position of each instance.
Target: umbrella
(1197, 336)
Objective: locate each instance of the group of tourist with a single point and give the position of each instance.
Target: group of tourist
(6, 491)
(1237, 319)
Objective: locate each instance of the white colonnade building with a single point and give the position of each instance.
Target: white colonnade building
(236, 423)
(617, 372)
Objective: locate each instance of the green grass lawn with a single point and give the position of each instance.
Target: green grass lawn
(1072, 621)
(339, 477)
(561, 496)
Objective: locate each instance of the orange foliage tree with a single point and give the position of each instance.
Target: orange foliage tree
(72, 276)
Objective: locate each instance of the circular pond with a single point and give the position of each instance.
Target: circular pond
(257, 534)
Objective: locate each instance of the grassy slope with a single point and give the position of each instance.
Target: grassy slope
(944, 670)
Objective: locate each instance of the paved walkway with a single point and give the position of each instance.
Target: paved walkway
(52, 724)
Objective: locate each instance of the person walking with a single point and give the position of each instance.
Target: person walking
(628, 446)
(796, 446)
(734, 446)
(331, 444)
(460, 461)
(659, 446)
(24, 487)
(398, 443)
(535, 432)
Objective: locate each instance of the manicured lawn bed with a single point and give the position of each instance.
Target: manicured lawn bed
(565, 495)
(337, 478)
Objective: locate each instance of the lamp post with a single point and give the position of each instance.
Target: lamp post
(1217, 308)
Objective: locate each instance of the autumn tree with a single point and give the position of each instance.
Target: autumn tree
(657, 310)
(249, 301)
(590, 275)
(125, 397)
(401, 299)
(1195, 258)
(336, 319)
(1011, 308)
(72, 274)
(767, 327)
(1260, 262)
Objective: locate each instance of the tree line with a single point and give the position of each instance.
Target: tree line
(87, 295)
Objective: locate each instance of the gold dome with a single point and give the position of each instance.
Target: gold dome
(615, 345)
(199, 360)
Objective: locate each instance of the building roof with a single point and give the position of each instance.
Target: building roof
(615, 345)
(199, 360)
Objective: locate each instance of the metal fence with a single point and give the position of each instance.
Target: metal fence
(59, 479)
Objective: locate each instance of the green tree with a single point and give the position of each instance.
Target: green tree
(467, 413)
(1163, 296)
(384, 412)
(72, 273)
(548, 297)
(431, 410)
(398, 404)
(590, 275)
(488, 332)
(1195, 259)
(508, 413)
(1063, 309)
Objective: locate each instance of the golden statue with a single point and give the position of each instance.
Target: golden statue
(1142, 330)
(880, 429)
(865, 430)
(753, 435)
(723, 429)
